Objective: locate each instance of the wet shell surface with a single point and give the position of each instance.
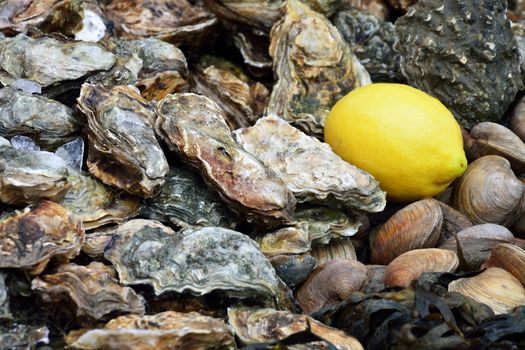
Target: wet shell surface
(336, 249)
(509, 257)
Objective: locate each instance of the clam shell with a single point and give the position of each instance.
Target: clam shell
(510, 258)
(410, 265)
(330, 283)
(494, 287)
(517, 118)
(375, 282)
(336, 249)
(293, 269)
(93, 289)
(29, 239)
(453, 222)
(416, 226)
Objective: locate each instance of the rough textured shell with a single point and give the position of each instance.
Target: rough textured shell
(336, 249)
(194, 127)
(416, 226)
(30, 238)
(22, 336)
(97, 241)
(258, 15)
(4, 297)
(163, 331)
(293, 269)
(435, 41)
(254, 326)
(186, 201)
(410, 265)
(120, 122)
(93, 289)
(196, 261)
(314, 68)
(310, 169)
(489, 192)
(330, 283)
(517, 117)
(494, 287)
(510, 258)
(30, 176)
(313, 226)
(402, 4)
(48, 60)
(378, 8)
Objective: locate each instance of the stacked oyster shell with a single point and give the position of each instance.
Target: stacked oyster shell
(164, 184)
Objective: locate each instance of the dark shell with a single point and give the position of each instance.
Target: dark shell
(378, 8)
(22, 336)
(293, 269)
(4, 297)
(464, 53)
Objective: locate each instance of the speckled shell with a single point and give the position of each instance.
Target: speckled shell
(255, 326)
(462, 52)
(378, 8)
(123, 151)
(194, 127)
(4, 297)
(310, 169)
(32, 237)
(196, 261)
(164, 331)
(314, 68)
(93, 289)
(22, 336)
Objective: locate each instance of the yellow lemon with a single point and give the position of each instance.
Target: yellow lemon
(408, 140)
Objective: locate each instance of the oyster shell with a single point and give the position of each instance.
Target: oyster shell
(254, 50)
(185, 201)
(93, 26)
(310, 169)
(402, 4)
(372, 42)
(162, 331)
(314, 68)
(48, 60)
(4, 297)
(436, 41)
(17, 336)
(313, 226)
(27, 177)
(50, 122)
(196, 261)
(293, 269)
(378, 8)
(125, 72)
(97, 241)
(242, 100)
(63, 16)
(93, 290)
(194, 127)
(123, 150)
(253, 326)
(175, 21)
(32, 237)
(164, 68)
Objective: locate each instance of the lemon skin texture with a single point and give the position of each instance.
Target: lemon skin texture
(408, 140)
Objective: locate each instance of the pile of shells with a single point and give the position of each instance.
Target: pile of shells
(164, 181)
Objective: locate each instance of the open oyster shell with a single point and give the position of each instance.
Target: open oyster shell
(123, 150)
(242, 99)
(27, 177)
(254, 326)
(175, 21)
(49, 122)
(313, 226)
(314, 68)
(47, 60)
(62, 16)
(194, 127)
(186, 201)
(196, 261)
(163, 331)
(310, 169)
(164, 68)
(92, 289)
(30, 238)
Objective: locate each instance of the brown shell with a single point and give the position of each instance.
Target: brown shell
(378, 8)
(330, 283)
(337, 249)
(510, 258)
(453, 222)
(410, 265)
(517, 119)
(416, 226)
(29, 239)
(375, 283)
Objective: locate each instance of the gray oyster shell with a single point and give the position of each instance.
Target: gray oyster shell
(310, 169)
(51, 16)
(518, 29)
(464, 54)
(314, 226)
(125, 72)
(164, 68)
(293, 269)
(196, 261)
(378, 8)
(93, 290)
(163, 331)
(27, 177)
(242, 99)
(314, 67)
(29, 239)
(17, 336)
(4, 297)
(48, 60)
(194, 127)
(186, 201)
(123, 151)
(372, 41)
(49, 122)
